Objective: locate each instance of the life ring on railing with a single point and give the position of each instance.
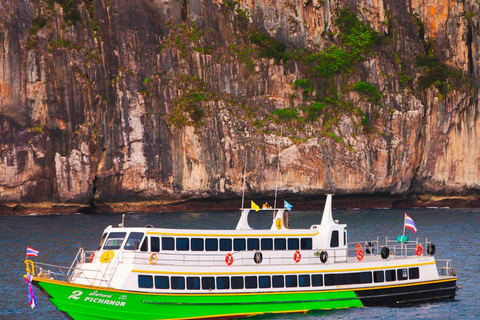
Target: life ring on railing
(418, 250)
(385, 253)
(360, 255)
(297, 256)
(229, 259)
(358, 247)
(430, 249)
(152, 258)
(258, 257)
(323, 256)
(91, 257)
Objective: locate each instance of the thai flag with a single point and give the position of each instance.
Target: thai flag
(410, 224)
(31, 252)
(32, 299)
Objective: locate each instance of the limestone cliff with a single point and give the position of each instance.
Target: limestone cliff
(107, 101)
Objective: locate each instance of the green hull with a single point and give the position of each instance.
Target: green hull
(84, 302)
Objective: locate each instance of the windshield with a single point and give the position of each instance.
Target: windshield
(114, 240)
(133, 241)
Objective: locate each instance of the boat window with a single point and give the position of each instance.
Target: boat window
(133, 241)
(144, 246)
(102, 240)
(390, 275)
(278, 282)
(366, 277)
(306, 243)
(253, 244)
(197, 244)
(250, 282)
(344, 237)
(330, 280)
(334, 239)
(211, 244)
(177, 282)
(378, 276)
(293, 244)
(264, 282)
(280, 244)
(290, 281)
(208, 283)
(145, 281)
(304, 280)
(155, 244)
(237, 282)
(161, 282)
(239, 244)
(223, 283)
(267, 244)
(414, 273)
(402, 274)
(114, 240)
(225, 244)
(182, 244)
(193, 283)
(317, 280)
(168, 243)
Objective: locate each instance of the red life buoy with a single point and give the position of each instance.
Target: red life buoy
(360, 255)
(297, 256)
(358, 247)
(229, 259)
(419, 250)
(91, 257)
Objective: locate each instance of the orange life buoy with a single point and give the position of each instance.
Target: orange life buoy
(358, 247)
(153, 258)
(91, 257)
(360, 255)
(297, 256)
(229, 259)
(419, 250)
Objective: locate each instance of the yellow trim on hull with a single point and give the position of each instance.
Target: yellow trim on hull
(237, 293)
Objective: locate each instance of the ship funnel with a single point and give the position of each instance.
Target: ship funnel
(327, 212)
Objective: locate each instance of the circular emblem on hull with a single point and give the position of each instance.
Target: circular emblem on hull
(107, 256)
(278, 223)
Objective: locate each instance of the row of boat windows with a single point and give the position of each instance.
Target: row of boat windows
(115, 240)
(277, 281)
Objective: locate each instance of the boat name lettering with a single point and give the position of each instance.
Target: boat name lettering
(97, 294)
(105, 301)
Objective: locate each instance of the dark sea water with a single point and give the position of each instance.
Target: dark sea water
(455, 232)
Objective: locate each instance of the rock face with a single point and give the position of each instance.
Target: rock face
(124, 100)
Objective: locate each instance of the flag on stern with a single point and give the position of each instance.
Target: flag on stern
(32, 299)
(255, 206)
(410, 224)
(287, 205)
(31, 252)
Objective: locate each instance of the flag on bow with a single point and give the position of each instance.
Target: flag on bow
(287, 205)
(32, 299)
(31, 252)
(255, 206)
(409, 224)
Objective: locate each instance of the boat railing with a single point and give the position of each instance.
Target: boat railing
(46, 270)
(445, 268)
(243, 258)
(396, 248)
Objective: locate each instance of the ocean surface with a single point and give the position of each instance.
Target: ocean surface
(455, 232)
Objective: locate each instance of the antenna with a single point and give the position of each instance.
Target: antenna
(244, 170)
(122, 225)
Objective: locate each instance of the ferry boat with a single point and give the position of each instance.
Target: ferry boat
(156, 273)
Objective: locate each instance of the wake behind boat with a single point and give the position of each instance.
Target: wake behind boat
(157, 273)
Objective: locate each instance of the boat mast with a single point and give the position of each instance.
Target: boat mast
(278, 171)
(244, 169)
